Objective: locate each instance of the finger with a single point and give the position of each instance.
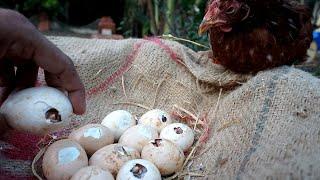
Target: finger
(26, 75)
(59, 65)
(75, 91)
(6, 79)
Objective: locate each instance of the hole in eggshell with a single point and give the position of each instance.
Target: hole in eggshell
(178, 130)
(139, 171)
(157, 142)
(164, 118)
(53, 115)
(122, 151)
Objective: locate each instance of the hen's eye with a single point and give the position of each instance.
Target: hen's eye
(230, 10)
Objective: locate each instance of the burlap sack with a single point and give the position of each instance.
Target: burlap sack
(267, 129)
(260, 127)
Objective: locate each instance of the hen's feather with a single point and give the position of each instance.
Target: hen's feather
(264, 34)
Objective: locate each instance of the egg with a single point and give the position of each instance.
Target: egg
(118, 121)
(92, 137)
(180, 134)
(165, 155)
(92, 173)
(37, 110)
(138, 136)
(156, 118)
(62, 159)
(139, 169)
(112, 157)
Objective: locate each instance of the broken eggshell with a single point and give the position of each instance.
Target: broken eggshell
(180, 134)
(118, 121)
(164, 154)
(156, 118)
(113, 156)
(62, 159)
(138, 169)
(92, 137)
(138, 136)
(37, 110)
(92, 173)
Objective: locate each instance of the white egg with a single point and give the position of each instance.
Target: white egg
(37, 110)
(92, 173)
(156, 118)
(118, 121)
(165, 155)
(139, 169)
(138, 136)
(180, 134)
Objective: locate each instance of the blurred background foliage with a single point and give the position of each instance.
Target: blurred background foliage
(53, 8)
(179, 18)
(134, 18)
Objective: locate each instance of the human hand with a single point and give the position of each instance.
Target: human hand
(24, 47)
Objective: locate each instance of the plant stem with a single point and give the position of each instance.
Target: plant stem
(169, 14)
(152, 18)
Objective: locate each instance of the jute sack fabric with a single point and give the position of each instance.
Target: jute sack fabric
(269, 128)
(150, 72)
(262, 126)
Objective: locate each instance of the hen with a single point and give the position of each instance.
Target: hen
(253, 35)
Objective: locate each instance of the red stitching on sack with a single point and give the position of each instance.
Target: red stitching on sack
(129, 60)
(167, 49)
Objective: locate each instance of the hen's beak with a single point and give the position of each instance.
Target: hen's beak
(204, 26)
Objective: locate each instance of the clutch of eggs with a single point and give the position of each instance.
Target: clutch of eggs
(160, 143)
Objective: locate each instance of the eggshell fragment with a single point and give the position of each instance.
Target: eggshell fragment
(62, 159)
(92, 137)
(118, 121)
(138, 169)
(180, 134)
(138, 136)
(113, 156)
(165, 155)
(92, 173)
(37, 110)
(156, 118)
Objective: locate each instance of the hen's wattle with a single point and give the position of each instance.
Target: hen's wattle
(253, 35)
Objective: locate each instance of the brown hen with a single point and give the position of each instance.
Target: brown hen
(253, 35)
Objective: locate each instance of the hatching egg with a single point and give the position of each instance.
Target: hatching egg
(138, 136)
(92, 173)
(138, 169)
(180, 134)
(37, 110)
(165, 155)
(156, 118)
(92, 137)
(118, 121)
(113, 156)
(62, 159)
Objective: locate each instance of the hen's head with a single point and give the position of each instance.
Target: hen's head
(221, 15)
